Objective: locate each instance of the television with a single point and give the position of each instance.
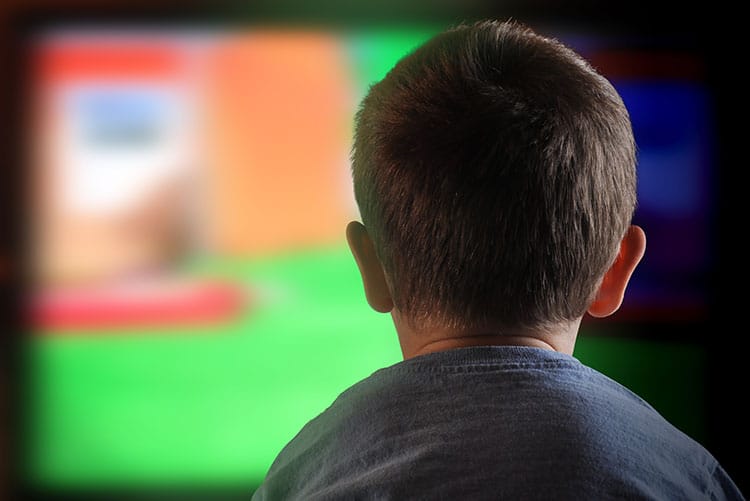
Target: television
(193, 302)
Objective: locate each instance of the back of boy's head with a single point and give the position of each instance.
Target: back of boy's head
(495, 172)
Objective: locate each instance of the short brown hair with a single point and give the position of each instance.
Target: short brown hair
(495, 171)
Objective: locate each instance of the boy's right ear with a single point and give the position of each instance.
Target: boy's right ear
(612, 289)
(370, 268)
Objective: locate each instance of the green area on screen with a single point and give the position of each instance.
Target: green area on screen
(216, 405)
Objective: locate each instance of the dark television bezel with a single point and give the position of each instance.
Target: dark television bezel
(654, 28)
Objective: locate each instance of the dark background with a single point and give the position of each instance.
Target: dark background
(704, 29)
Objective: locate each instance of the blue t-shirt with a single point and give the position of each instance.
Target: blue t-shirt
(496, 422)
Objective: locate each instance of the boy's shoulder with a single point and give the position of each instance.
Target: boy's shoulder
(541, 418)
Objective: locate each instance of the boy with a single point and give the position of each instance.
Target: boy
(494, 170)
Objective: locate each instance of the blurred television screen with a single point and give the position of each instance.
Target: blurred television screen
(190, 190)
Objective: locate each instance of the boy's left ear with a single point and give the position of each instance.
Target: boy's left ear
(612, 289)
(373, 276)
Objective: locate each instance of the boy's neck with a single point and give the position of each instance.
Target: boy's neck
(414, 342)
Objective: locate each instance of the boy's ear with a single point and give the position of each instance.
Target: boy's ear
(612, 289)
(373, 277)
